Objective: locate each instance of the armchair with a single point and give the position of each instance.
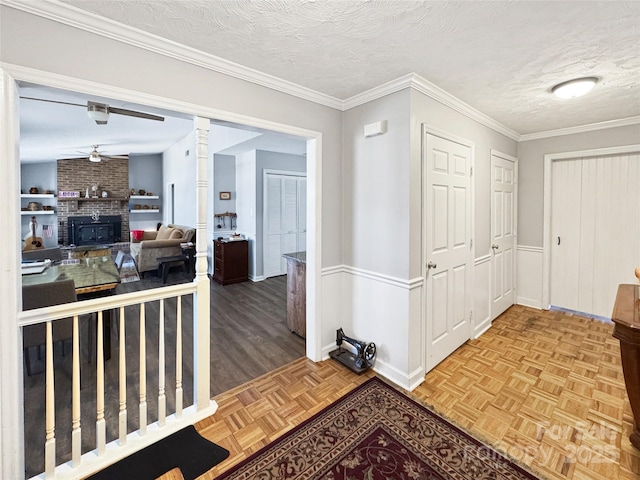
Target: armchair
(164, 243)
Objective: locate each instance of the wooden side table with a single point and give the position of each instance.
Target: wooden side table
(626, 316)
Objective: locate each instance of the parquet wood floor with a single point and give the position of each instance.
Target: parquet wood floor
(544, 387)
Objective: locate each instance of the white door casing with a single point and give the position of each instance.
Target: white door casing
(448, 255)
(504, 194)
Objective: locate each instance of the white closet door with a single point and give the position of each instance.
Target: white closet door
(285, 226)
(272, 251)
(596, 217)
(565, 228)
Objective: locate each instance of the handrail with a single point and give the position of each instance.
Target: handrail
(40, 315)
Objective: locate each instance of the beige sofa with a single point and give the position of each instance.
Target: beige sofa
(163, 243)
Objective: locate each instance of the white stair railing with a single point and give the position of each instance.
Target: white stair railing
(81, 465)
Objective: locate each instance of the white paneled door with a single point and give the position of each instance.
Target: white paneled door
(448, 261)
(284, 225)
(503, 232)
(595, 230)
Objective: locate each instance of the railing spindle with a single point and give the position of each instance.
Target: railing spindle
(101, 427)
(143, 372)
(50, 409)
(103, 453)
(76, 432)
(179, 356)
(162, 401)
(122, 415)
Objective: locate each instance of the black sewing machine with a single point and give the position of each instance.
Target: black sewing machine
(358, 362)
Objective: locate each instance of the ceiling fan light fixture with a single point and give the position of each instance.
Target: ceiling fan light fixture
(94, 157)
(574, 88)
(98, 112)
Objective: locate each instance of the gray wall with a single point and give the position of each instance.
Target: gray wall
(531, 169)
(376, 187)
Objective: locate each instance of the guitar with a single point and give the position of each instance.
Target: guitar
(33, 243)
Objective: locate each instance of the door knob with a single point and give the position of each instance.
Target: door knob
(431, 265)
(495, 247)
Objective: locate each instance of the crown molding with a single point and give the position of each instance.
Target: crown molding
(621, 122)
(89, 22)
(422, 85)
(92, 23)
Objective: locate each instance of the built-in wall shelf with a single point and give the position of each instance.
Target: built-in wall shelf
(145, 210)
(37, 212)
(37, 195)
(144, 197)
(93, 199)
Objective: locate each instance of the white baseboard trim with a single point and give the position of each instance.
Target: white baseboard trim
(256, 278)
(529, 302)
(482, 327)
(408, 382)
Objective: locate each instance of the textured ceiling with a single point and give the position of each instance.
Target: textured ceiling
(499, 57)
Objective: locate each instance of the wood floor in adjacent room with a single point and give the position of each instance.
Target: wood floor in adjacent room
(544, 387)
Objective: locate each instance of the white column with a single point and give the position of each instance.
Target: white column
(201, 335)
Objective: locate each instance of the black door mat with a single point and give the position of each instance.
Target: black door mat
(186, 449)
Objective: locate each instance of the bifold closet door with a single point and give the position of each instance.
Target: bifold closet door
(595, 227)
(285, 226)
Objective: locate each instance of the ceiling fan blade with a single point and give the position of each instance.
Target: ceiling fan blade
(75, 158)
(132, 113)
(53, 101)
(115, 157)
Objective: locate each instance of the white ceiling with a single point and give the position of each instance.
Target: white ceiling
(499, 57)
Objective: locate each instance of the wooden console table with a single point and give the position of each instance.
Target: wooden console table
(626, 316)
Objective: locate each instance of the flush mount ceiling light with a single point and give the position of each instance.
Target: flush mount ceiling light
(574, 88)
(98, 112)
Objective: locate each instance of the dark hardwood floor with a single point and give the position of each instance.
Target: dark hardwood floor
(249, 337)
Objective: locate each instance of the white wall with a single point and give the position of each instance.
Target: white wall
(179, 168)
(145, 172)
(246, 203)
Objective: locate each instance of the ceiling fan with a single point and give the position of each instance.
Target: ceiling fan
(100, 111)
(95, 156)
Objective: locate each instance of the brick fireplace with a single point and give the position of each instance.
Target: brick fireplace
(110, 175)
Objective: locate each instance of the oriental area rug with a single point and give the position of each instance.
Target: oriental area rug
(376, 432)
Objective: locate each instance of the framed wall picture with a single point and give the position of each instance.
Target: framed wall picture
(225, 195)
